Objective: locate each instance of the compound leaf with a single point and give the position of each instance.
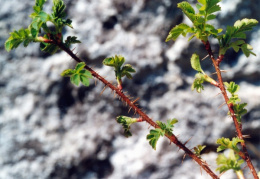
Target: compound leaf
(230, 162)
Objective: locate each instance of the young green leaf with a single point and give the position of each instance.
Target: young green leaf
(75, 79)
(177, 31)
(230, 162)
(198, 149)
(188, 10)
(154, 136)
(195, 63)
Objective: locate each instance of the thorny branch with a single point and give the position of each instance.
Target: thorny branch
(135, 108)
(216, 62)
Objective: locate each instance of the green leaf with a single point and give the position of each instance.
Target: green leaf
(126, 123)
(18, 37)
(80, 66)
(231, 162)
(170, 124)
(154, 136)
(67, 73)
(177, 31)
(84, 80)
(75, 79)
(84, 77)
(109, 61)
(195, 62)
(187, 9)
(126, 70)
(86, 73)
(71, 40)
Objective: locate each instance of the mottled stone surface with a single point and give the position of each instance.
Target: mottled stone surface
(50, 129)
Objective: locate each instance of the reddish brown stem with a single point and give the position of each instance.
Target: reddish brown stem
(216, 63)
(144, 116)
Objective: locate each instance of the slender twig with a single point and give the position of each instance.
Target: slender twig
(216, 63)
(143, 115)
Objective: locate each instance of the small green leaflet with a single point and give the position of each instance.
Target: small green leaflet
(225, 143)
(207, 7)
(155, 134)
(77, 75)
(195, 63)
(71, 40)
(231, 162)
(177, 31)
(188, 10)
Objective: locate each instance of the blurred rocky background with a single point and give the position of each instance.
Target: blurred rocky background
(50, 129)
